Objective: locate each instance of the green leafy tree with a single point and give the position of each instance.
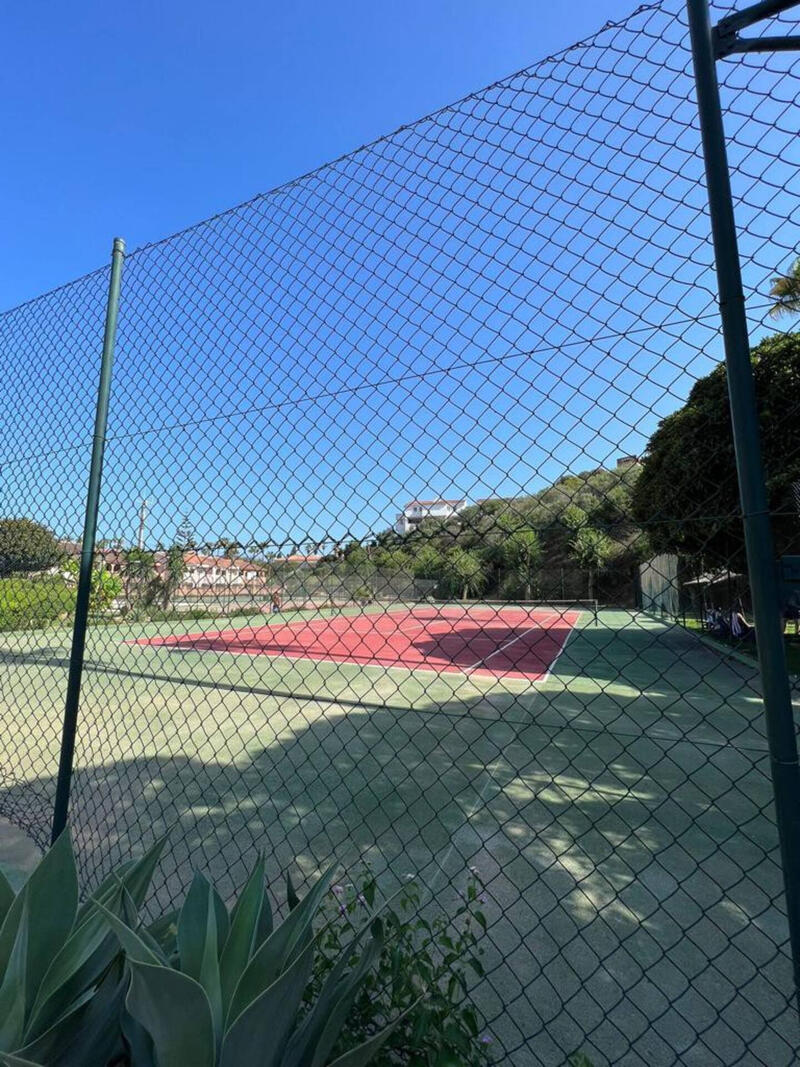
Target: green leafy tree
(174, 570)
(105, 587)
(786, 292)
(27, 546)
(428, 563)
(574, 517)
(592, 550)
(185, 536)
(142, 585)
(357, 558)
(392, 560)
(522, 554)
(687, 497)
(463, 572)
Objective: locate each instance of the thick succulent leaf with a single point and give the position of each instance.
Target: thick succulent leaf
(175, 1012)
(135, 875)
(348, 990)
(358, 1057)
(193, 926)
(7, 895)
(223, 920)
(140, 1047)
(259, 1034)
(265, 921)
(241, 940)
(341, 979)
(198, 947)
(14, 985)
(87, 953)
(292, 899)
(279, 949)
(51, 893)
(98, 1038)
(135, 947)
(45, 1046)
(164, 931)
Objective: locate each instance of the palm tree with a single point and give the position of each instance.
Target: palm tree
(522, 554)
(786, 290)
(591, 550)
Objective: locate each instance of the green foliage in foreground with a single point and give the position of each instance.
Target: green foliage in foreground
(214, 987)
(422, 976)
(62, 980)
(222, 989)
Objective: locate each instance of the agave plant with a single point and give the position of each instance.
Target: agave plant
(61, 975)
(220, 989)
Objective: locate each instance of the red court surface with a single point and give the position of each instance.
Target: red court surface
(484, 642)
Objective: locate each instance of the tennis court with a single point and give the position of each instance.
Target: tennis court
(618, 809)
(486, 641)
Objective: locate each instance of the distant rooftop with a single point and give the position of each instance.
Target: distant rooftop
(431, 503)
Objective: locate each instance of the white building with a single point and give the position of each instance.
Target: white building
(417, 510)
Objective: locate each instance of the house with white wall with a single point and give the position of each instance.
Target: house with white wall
(416, 510)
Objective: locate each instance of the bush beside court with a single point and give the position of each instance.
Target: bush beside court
(31, 603)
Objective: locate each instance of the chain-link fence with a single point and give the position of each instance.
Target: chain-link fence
(420, 544)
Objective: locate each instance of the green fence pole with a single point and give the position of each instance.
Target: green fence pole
(744, 417)
(87, 546)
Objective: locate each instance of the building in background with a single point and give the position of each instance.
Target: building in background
(416, 510)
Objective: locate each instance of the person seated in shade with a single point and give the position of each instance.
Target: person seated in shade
(740, 628)
(718, 624)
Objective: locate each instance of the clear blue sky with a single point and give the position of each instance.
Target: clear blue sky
(141, 118)
(515, 287)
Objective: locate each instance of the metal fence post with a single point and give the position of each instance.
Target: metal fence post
(755, 510)
(87, 546)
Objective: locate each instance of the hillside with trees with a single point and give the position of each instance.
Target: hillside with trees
(575, 539)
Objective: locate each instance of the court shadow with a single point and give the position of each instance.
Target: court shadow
(612, 867)
(493, 645)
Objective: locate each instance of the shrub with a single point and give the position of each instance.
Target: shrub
(105, 586)
(216, 988)
(31, 603)
(227, 988)
(422, 975)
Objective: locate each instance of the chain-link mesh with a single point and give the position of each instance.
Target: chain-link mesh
(400, 562)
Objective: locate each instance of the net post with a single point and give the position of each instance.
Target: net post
(72, 700)
(756, 519)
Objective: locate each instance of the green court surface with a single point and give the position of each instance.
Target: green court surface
(619, 812)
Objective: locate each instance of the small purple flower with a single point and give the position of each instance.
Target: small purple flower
(337, 890)
(362, 900)
(342, 909)
(482, 899)
(485, 1040)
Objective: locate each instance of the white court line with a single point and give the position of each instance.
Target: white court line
(560, 652)
(482, 802)
(542, 624)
